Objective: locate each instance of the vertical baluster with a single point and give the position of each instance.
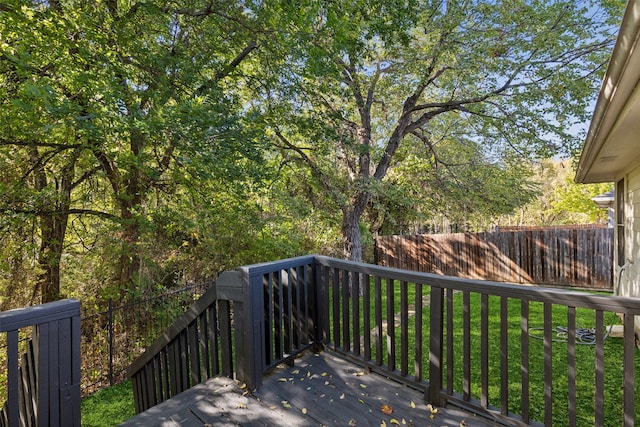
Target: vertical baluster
(336, 308)
(571, 364)
(391, 329)
(599, 365)
(366, 316)
(466, 337)
(346, 291)
(450, 341)
(628, 369)
(267, 282)
(404, 328)
(277, 315)
(418, 333)
(548, 364)
(524, 359)
(378, 318)
(287, 284)
(484, 350)
(504, 355)
(355, 298)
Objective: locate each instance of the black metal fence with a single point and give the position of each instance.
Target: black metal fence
(113, 336)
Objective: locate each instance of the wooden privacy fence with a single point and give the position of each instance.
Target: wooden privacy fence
(572, 257)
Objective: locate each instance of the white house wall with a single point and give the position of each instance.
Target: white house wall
(627, 278)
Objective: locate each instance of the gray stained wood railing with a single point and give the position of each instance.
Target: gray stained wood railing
(402, 324)
(44, 388)
(195, 348)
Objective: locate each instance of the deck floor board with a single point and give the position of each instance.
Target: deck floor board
(319, 390)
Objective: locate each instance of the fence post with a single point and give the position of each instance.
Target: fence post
(436, 330)
(110, 341)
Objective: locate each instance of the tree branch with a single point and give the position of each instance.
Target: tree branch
(315, 170)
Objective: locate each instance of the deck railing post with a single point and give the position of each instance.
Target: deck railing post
(249, 329)
(436, 333)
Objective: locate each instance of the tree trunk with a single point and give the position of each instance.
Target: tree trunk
(53, 228)
(54, 216)
(129, 267)
(130, 202)
(351, 236)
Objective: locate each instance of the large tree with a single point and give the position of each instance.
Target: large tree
(125, 98)
(354, 82)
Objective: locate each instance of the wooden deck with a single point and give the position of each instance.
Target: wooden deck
(320, 390)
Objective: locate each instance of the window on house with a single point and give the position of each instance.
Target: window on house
(620, 221)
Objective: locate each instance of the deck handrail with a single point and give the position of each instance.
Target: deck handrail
(50, 373)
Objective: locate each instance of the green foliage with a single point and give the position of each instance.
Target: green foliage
(461, 184)
(109, 406)
(561, 201)
(480, 87)
(111, 112)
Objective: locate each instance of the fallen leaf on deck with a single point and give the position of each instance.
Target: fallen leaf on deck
(241, 406)
(324, 374)
(296, 372)
(386, 409)
(282, 380)
(361, 401)
(404, 422)
(304, 411)
(413, 404)
(352, 422)
(363, 385)
(395, 422)
(383, 424)
(286, 404)
(342, 396)
(359, 374)
(463, 423)
(431, 416)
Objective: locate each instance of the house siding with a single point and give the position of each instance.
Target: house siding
(627, 275)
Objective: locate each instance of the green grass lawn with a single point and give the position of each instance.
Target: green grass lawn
(108, 407)
(585, 362)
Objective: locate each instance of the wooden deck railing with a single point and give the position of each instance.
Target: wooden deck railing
(43, 390)
(488, 347)
(195, 348)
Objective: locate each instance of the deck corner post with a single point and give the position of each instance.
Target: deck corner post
(249, 330)
(436, 325)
